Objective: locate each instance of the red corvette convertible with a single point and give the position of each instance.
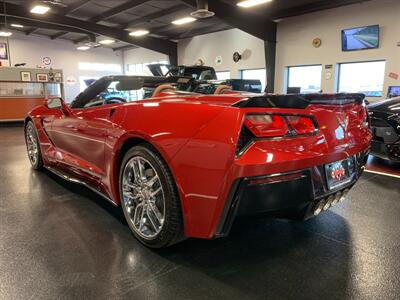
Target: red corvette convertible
(182, 164)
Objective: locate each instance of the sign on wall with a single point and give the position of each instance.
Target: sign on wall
(3, 51)
(218, 60)
(46, 61)
(393, 75)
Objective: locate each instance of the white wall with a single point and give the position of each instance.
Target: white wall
(142, 55)
(31, 50)
(296, 34)
(224, 44)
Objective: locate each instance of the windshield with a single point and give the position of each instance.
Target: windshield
(198, 73)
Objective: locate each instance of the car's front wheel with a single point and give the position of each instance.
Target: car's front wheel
(32, 146)
(149, 198)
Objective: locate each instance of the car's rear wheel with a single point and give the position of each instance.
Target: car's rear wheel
(149, 198)
(33, 147)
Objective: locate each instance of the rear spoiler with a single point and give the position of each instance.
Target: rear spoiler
(299, 101)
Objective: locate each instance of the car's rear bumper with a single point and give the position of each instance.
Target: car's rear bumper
(296, 194)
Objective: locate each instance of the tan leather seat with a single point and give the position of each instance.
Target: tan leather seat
(221, 89)
(162, 89)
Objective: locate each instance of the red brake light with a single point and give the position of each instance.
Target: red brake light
(301, 125)
(266, 125)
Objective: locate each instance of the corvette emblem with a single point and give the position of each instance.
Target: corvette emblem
(338, 172)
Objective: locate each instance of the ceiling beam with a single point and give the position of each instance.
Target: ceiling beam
(117, 10)
(30, 31)
(128, 47)
(37, 24)
(58, 35)
(83, 39)
(236, 17)
(154, 16)
(159, 45)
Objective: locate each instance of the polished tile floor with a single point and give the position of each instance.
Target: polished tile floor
(59, 241)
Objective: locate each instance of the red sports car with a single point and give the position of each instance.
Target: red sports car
(182, 164)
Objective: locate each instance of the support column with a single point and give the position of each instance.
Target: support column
(270, 56)
(173, 57)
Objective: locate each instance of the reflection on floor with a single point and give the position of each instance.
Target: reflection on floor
(384, 167)
(61, 241)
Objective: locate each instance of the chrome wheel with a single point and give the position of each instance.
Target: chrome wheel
(32, 145)
(143, 197)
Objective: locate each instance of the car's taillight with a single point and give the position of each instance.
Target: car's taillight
(301, 125)
(266, 125)
(270, 125)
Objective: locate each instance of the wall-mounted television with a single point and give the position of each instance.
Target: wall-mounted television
(393, 91)
(360, 38)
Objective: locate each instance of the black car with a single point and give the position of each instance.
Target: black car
(204, 79)
(385, 123)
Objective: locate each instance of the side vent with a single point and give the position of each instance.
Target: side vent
(244, 141)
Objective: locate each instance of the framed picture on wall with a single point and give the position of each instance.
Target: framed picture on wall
(25, 76)
(42, 77)
(3, 51)
(57, 77)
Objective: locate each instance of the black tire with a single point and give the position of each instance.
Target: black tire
(38, 163)
(172, 228)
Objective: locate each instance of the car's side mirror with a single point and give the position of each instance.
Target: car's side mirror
(58, 103)
(54, 103)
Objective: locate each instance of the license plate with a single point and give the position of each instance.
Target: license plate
(339, 173)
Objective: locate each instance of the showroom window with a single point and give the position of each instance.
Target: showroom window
(362, 77)
(307, 78)
(260, 74)
(223, 75)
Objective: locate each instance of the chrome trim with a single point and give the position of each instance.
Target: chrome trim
(77, 181)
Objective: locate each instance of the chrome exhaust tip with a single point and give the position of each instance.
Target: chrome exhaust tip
(318, 208)
(337, 198)
(332, 200)
(317, 211)
(328, 202)
(343, 196)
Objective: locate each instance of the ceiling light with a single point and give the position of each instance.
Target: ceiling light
(40, 9)
(17, 25)
(83, 48)
(251, 3)
(5, 33)
(183, 21)
(106, 42)
(139, 33)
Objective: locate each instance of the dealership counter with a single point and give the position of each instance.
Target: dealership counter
(22, 89)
